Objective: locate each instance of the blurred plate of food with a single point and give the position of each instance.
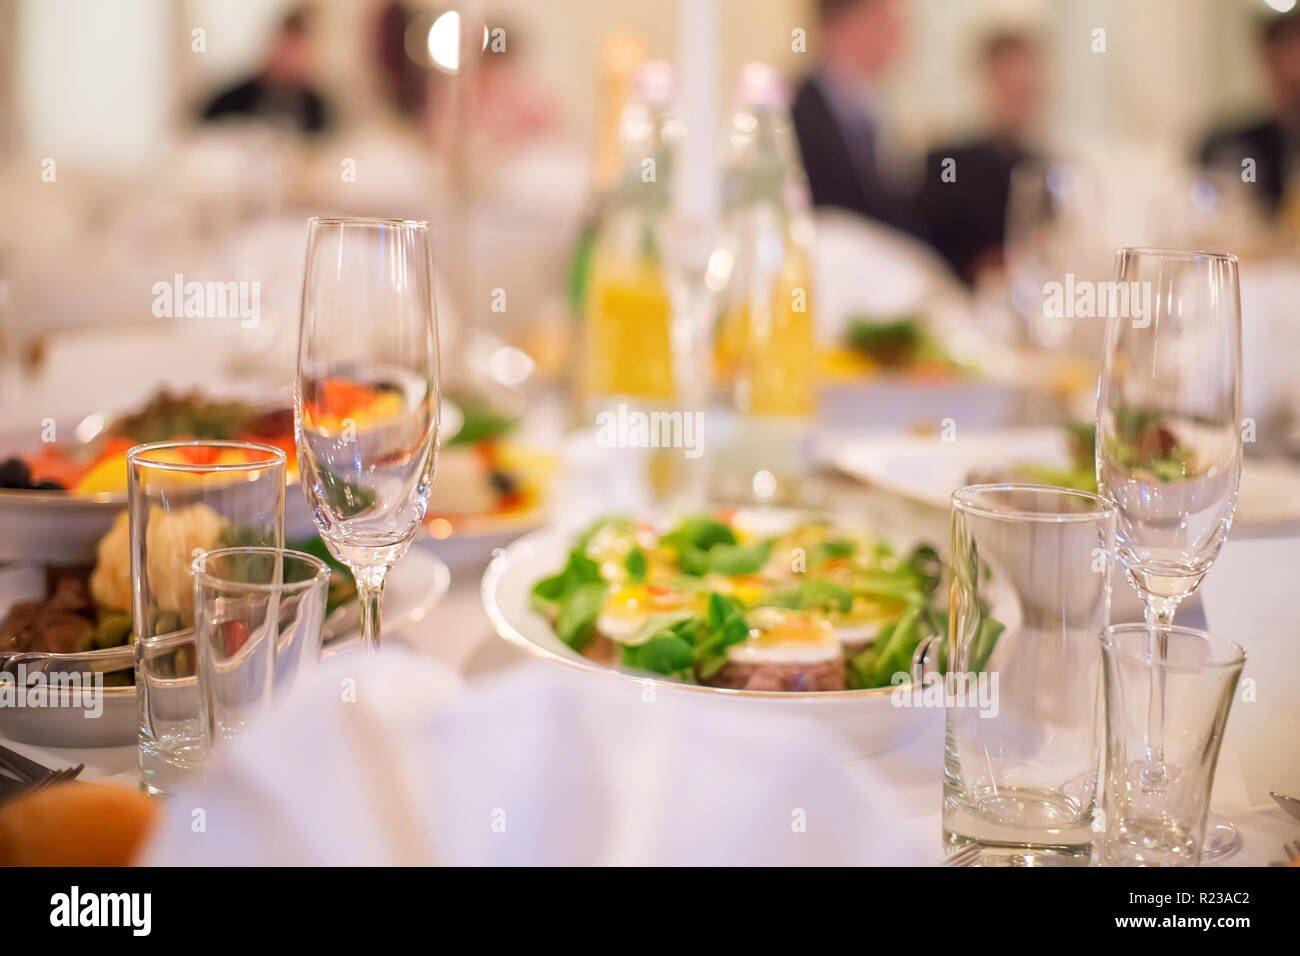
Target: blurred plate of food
(490, 487)
(929, 468)
(773, 610)
(898, 339)
(57, 500)
(866, 268)
(69, 622)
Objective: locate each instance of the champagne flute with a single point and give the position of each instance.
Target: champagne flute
(367, 394)
(1169, 439)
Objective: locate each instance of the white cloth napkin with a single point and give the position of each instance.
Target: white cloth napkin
(387, 760)
(1249, 597)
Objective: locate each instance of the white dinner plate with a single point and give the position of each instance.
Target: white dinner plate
(415, 585)
(868, 718)
(928, 469)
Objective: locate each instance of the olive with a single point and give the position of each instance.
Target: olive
(49, 486)
(14, 473)
(503, 483)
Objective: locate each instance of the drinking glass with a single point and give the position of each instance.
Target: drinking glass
(185, 498)
(1030, 593)
(1054, 221)
(366, 397)
(258, 616)
(1169, 434)
(1163, 825)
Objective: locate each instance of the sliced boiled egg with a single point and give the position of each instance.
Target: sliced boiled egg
(864, 620)
(747, 589)
(629, 608)
(782, 637)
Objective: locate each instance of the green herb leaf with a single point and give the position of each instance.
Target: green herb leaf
(548, 594)
(739, 558)
(986, 640)
(703, 532)
(635, 564)
(726, 625)
(478, 424)
(578, 612)
(890, 653)
(824, 551)
(811, 593)
(665, 653)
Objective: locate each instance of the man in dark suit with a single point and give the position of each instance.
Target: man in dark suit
(281, 90)
(836, 118)
(1273, 143)
(967, 184)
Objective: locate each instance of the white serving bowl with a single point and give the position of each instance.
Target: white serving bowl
(415, 585)
(869, 719)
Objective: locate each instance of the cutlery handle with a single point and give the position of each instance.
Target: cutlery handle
(925, 659)
(21, 765)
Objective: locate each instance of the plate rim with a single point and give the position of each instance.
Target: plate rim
(841, 459)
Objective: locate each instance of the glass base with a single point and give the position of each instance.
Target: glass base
(1029, 818)
(1004, 854)
(166, 766)
(1221, 838)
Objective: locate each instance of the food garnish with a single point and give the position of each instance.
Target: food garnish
(710, 601)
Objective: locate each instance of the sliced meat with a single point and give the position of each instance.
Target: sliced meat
(821, 675)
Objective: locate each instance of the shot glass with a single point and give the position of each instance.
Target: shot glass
(258, 616)
(1189, 677)
(187, 497)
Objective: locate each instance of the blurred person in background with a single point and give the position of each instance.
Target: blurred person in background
(966, 217)
(282, 90)
(405, 83)
(1273, 143)
(837, 113)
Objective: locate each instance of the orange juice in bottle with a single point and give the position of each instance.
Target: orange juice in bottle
(629, 342)
(765, 340)
(765, 346)
(778, 348)
(627, 311)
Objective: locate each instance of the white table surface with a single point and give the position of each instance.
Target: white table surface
(459, 634)
(458, 631)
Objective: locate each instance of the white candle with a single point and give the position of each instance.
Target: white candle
(696, 190)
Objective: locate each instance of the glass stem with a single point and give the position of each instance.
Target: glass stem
(1159, 613)
(370, 588)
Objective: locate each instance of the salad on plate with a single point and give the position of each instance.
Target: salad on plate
(808, 605)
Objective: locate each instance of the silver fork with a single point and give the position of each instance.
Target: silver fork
(22, 767)
(966, 856)
(55, 776)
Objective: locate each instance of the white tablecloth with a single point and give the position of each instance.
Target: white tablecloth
(458, 632)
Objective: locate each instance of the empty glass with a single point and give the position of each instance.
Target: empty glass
(1163, 824)
(258, 616)
(187, 498)
(366, 397)
(1169, 418)
(1169, 432)
(1030, 593)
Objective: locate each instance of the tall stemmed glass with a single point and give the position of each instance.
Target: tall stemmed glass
(367, 393)
(1169, 438)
